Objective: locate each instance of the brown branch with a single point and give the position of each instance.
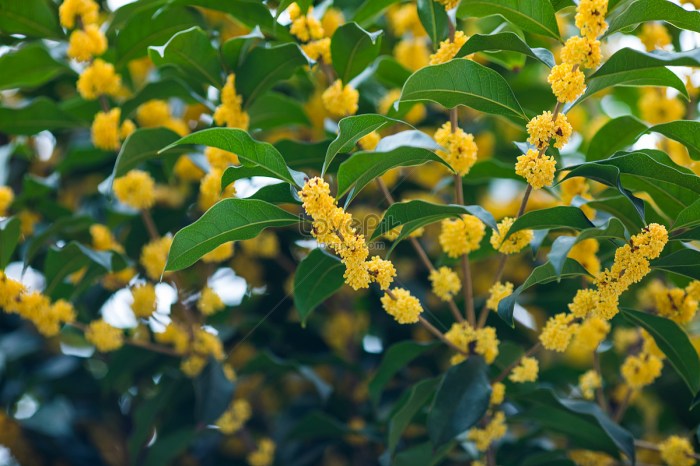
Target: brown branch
(150, 225)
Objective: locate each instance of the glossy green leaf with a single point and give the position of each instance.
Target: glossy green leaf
(61, 262)
(9, 237)
(463, 82)
(38, 115)
(29, 67)
(33, 18)
(165, 89)
(417, 397)
(435, 21)
(536, 16)
(684, 131)
(317, 278)
(353, 49)
(273, 110)
(423, 454)
(674, 342)
(657, 77)
(551, 218)
(684, 262)
(234, 50)
(688, 218)
(505, 41)
(269, 364)
(390, 72)
(167, 447)
(460, 402)
(280, 193)
(370, 9)
(615, 135)
(213, 393)
(630, 59)
(398, 356)
(190, 52)
(318, 425)
(252, 13)
(655, 10)
(228, 220)
(143, 145)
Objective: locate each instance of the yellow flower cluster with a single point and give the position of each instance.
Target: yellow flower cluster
(105, 337)
(304, 26)
(590, 17)
(461, 152)
(319, 49)
(582, 51)
(537, 169)
(220, 159)
(584, 252)
(340, 101)
(103, 239)
(34, 306)
(403, 18)
(576, 187)
(99, 79)
(526, 371)
(107, 133)
(86, 11)
(445, 282)
(655, 36)
(332, 226)
(87, 43)
(679, 305)
(235, 416)
(677, 451)
(369, 141)
(412, 53)
(589, 382)
(568, 82)
(219, 253)
(176, 336)
(496, 293)
(494, 430)
(631, 264)
(230, 113)
(558, 331)
(154, 255)
(590, 334)
(415, 115)
(543, 128)
(449, 4)
(641, 370)
(264, 455)
(210, 189)
(514, 243)
(144, 300)
(461, 236)
(656, 108)
(135, 189)
(591, 458)
(498, 394)
(482, 341)
(7, 196)
(203, 346)
(264, 245)
(448, 49)
(155, 113)
(402, 306)
(209, 302)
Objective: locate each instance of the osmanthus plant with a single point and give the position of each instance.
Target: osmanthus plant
(349, 232)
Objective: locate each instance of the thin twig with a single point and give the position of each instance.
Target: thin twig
(467, 287)
(600, 395)
(623, 407)
(440, 335)
(150, 224)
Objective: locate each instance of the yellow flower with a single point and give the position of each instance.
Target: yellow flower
(264, 245)
(105, 337)
(677, 451)
(445, 282)
(655, 36)
(590, 17)
(449, 4)
(332, 19)
(10, 291)
(144, 300)
(230, 112)
(105, 130)
(340, 100)
(448, 49)
(494, 430)
(404, 19)
(526, 371)
(567, 84)
(589, 382)
(382, 272)
(412, 53)
(369, 141)
(153, 113)
(487, 344)
(154, 256)
(676, 304)
(461, 148)
(641, 370)
(176, 336)
(591, 458)
(319, 50)
(463, 336)
(204, 345)
(103, 240)
(403, 307)
(187, 170)
(220, 159)
(210, 190)
(219, 253)
(7, 196)
(558, 331)
(515, 242)
(99, 79)
(264, 455)
(584, 303)
(237, 414)
(496, 293)
(584, 252)
(415, 115)
(543, 128)
(581, 51)
(135, 189)
(86, 10)
(590, 333)
(87, 43)
(209, 302)
(538, 170)
(498, 393)
(305, 27)
(656, 108)
(461, 236)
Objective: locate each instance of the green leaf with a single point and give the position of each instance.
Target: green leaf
(460, 402)
(627, 59)
(61, 262)
(655, 10)
(228, 220)
(317, 278)
(550, 218)
(169, 446)
(390, 72)
(28, 67)
(351, 129)
(462, 82)
(674, 342)
(353, 49)
(250, 152)
(545, 273)
(280, 193)
(370, 9)
(64, 227)
(615, 135)
(213, 393)
(38, 115)
(396, 358)
(505, 41)
(484, 171)
(434, 19)
(657, 77)
(234, 50)
(269, 364)
(252, 13)
(150, 27)
(266, 67)
(143, 145)
(688, 218)
(9, 237)
(415, 214)
(164, 89)
(232, 174)
(190, 52)
(318, 425)
(272, 110)
(423, 454)
(685, 262)
(33, 18)
(416, 397)
(561, 246)
(536, 16)
(684, 131)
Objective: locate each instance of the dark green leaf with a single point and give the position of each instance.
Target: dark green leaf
(29, 66)
(228, 220)
(390, 72)
(318, 277)
(655, 10)
(164, 89)
(536, 16)
(353, 49)
(280, 193)
(417, 397)
(9, 236)
(505, 41)
(316, 426)
(463, 82)
(213, 393)
(234, 50)
(272, 110)
(684, 262)
(615, 135)
(269, 364)
(169, 446)
(658, 77)
(39, 115)
(371, 9)
(550, 218)
(434, 19)
(688, 218)
(143, 145)
(684, 131)
(33, 18)
(61, 262)
(627, 59)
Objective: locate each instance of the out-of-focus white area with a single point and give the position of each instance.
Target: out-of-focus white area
(31, 279)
